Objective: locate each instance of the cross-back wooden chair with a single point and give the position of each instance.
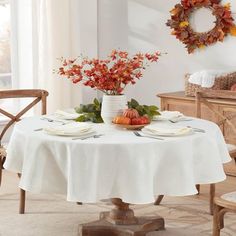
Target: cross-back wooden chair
(40, 96)
(225, 203)
(209, 98)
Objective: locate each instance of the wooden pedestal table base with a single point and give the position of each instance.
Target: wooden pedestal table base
(121, 221)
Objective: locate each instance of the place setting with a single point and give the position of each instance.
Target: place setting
(71, 129)
(167, 130)
(60, 117)
(62, 123)
(160, 131)
(75, 131)
(172, 116)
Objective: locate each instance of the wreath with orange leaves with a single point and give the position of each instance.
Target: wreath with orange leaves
(183, 31)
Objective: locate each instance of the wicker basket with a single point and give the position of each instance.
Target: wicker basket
(231, 79)
(221, 83)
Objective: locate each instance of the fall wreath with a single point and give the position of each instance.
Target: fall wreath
(183, 31)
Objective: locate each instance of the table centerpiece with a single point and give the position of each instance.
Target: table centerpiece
(110, 76)
(135, 116)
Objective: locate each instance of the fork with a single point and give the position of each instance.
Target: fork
(38, 129)
(139, 135)
(194, 128)
(52, 120)
(197, 129)
(94, 136)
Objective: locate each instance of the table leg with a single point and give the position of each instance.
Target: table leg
(121, 221)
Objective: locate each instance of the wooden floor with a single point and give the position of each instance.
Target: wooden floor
(52, 215)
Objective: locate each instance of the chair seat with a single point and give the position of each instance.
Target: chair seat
(229, 197)
(3, 152)
(231, 147)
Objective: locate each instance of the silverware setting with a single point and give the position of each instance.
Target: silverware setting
(178, 120)
(194, 128)
(197, 129)
(93, 136)
(140, 135)
(53, 120)
(38, 129)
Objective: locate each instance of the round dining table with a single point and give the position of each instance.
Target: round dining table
(117, 165)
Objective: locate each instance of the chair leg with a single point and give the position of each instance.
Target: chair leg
(158, 200)
(212, 195)
(22, 202)
(198, 188)
(216, 221)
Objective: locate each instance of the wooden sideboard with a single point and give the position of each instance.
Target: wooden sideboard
(177, 101)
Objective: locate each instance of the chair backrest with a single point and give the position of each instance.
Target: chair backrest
(38, 94)
(211, 97)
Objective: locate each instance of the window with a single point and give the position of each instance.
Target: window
(5, 48)
(15, 22)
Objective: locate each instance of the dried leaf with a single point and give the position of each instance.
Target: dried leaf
(184, 35)
(227, 6)
(216, 1)
(201, 46)
(183, 24)
(233, 30)
(174, 11)
(173, 32)
(221, 34)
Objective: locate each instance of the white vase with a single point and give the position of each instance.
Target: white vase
(112, 105)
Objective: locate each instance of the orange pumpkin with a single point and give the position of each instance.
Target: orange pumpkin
(233, 87)
(122, 120)
(131, 113)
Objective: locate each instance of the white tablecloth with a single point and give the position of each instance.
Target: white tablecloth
(118, 164)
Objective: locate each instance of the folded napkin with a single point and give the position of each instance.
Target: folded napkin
(166, 130)
(169, 115)
(70, 129)
(66, 115)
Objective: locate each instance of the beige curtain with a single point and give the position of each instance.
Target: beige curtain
(47, 30)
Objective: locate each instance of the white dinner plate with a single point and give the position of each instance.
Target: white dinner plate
(71, 129)
(168, 115)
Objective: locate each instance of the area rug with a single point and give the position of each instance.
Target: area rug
(52, 215)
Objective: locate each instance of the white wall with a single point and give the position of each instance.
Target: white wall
(139, 25)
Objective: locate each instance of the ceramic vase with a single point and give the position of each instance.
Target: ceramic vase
(112, 105)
